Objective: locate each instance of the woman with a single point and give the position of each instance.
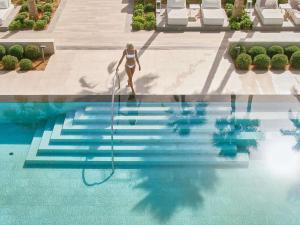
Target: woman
(131, 58)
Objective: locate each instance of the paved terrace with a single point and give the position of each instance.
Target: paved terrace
(90, 36)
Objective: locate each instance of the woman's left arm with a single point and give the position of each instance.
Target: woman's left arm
(137, 59)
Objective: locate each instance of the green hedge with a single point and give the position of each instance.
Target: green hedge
(143, 16)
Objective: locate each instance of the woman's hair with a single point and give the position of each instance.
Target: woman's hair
(129, 46)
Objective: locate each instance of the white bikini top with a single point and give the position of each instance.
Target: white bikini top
(130, 56)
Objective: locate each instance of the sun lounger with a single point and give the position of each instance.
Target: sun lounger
(5, 9)
(212, 12)
(177, 13)
(268, 12)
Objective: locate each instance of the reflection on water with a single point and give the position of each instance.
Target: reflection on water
(171, 190)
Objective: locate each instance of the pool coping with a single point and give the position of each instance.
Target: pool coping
(150, 98)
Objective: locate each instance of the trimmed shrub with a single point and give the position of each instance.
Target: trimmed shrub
(279, 61)
(150, 25)
(138, 12)
(295, 60)
(137, 25)
(22, 16)
(246, 23)
(274, 50)
(256, 50)
(32, 52)
(230, 2)
(290, 50)
(40, 25)
(235, 50)
(17, 51)
(15, 25)
(262, 62)
(234, 25)
(25, 64)
(24, 7)
(49, 14)
(139, 6)
(149, 7)
(229, 9)
(40, 7)
(150, 17)
(243, 61)
(9, 62)
(2, 51)
(28, 24)
(46, 18)
(48, 7)
(139, 19)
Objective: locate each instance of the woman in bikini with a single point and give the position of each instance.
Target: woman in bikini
(131, 58)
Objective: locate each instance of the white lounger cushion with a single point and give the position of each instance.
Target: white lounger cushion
(4, 4)
(211, 4)
(4, 13)
(272, 16)
(176, 4)
(177, 16)
(213, 16)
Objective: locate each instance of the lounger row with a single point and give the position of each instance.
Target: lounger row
(212, 12)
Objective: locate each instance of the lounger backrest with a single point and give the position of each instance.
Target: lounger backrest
(211, 4)
(267, 4)
(4, 4)
(176, 4)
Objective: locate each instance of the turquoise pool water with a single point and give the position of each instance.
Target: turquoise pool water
(266, 191)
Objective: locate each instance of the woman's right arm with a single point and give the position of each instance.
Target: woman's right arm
(121, 60)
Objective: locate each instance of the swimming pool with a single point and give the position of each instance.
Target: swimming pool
(176, 163)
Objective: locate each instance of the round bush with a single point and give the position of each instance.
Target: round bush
(256, 50)
(274, 50)
(235, 50)
(262, 62)
(32, 52)
(46, 18)
(15, 25)
(150, 25)
(295, 60)
(137, 25)
(49, 14)
(16, 50)
(2, 51)
(139, 6)
(40, 25)
(24, 7)
(40, 7)
(290, 50)
(22, 16)
(139, 19)
(279, 61)
(138, 12)
(150, 17)
(28, 24)
(9, 62)
(246, 24)
(234, 25)
(149, 7)
(25, 64)
(243, 61)
(48, 7)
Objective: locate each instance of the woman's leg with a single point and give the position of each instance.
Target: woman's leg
(130, 72)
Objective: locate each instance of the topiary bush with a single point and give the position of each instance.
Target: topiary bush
(2, 51)
(262, 62)
(22, 16)
(279, 61)
(48, 7)
(139, 6)
(138, 12)
(32, 52)
(243, 61)
(256, 50)
(40, 7)
(235, 25)
(15, 25)
(40, 25)
(28, 24)
(290, 50)
(274, 50)
(24, 7)
(49, 14)
(295, 60)
(149, 7)
(150, 16)
(139, 19)
(229, 9)
(16, 50)
(46, 18)
(9, 62)
(25, 64)
(235, 50)
(246, 23)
